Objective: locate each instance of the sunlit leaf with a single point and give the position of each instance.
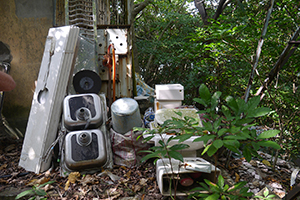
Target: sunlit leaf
(258, 112)
(268, 134)
(204, 93)
(232, 104)
(220, 181)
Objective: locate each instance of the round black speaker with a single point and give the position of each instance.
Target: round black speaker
(87, 81)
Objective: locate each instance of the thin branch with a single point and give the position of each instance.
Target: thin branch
(139, 7)
(258, 51)
(287, 52)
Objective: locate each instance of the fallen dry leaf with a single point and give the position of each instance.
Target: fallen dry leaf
(123, 167)
(128, 174)
(267, 163)
(38, 181)
(136, 188)
(48, 187)
(67, 185)
(73, 177)
(88, 179)
(143, 181)
(237, 177)
(3, 166)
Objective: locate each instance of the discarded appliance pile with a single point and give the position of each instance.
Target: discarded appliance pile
(168, 99)
(69, 111)
(72, 114)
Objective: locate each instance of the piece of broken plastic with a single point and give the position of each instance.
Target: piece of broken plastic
(197, 165)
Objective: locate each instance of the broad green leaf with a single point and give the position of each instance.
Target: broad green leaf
(152, 155)
(232, 142)
(268, 134)
(225, 187)
(231, 102)
(220, 181)
(205, 187)
(242, 105)
(232, 148)
(49, 182)
(170, 138)
(148, 138)
(222, 131)
(204, 93)
(145, 151)
(200, 101)
(258, 112)
(215, 99)
(178, 113)
(218, 143)
(247, 154)
(237, 186)
(252, 103)
(206, 149)
(211, 151)
(269, 144)
(234, 129)
(240, 122)
(207, 126)
(183, 137)
(255, 146)
(235, 137)
(177, 147)
(217, 123)
(22, 194)
(266, 192)
(204, 138)
(40, 192)
(214, 196)
(226, 112)
(223, 197)
(245, 134)
(176, 155)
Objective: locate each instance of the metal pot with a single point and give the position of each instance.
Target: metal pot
(125, 115)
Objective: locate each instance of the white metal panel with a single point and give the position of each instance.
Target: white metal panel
(118, 37)
(46, 108)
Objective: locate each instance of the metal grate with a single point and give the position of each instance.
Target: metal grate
(82, 14)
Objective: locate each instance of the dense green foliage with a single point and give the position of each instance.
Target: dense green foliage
(221, 54)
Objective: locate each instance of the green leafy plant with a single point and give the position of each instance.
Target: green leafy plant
(266, 195)
(35, 191)
(177, 127)
(215, 191)
(229, 125)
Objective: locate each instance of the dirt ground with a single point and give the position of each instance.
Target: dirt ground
(134, 183)
(131, 183)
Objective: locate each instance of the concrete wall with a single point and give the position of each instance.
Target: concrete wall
(24, 27)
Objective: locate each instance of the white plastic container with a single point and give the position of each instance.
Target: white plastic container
(166, 104)
(197, 168)
(169, 92)
(162, 115)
